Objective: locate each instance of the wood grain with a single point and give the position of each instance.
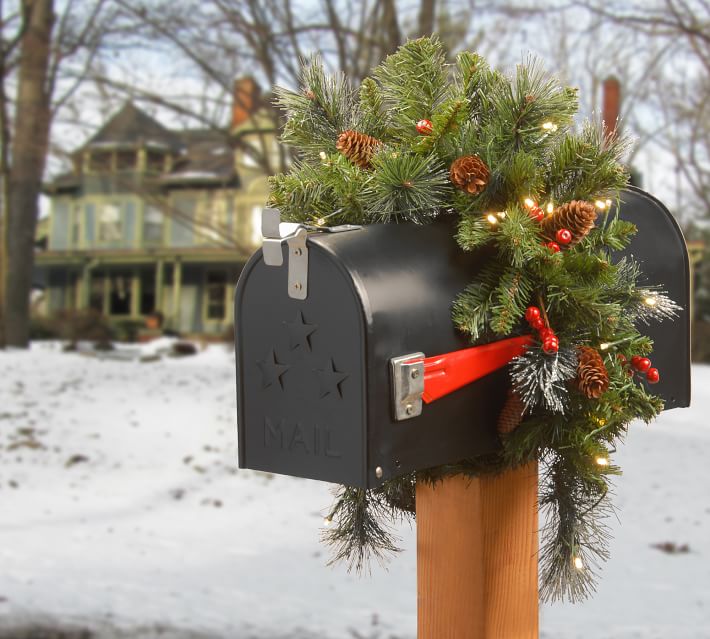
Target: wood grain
(477, 557)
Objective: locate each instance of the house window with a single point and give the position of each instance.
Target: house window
(153, 225)
(101, 161)
(155, 161)
(120, 295)
(126, 161)
(110, 223)
(216, 295)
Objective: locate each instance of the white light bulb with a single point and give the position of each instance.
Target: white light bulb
(501, 215)
(602, 461)
(600, 205)
(578, 563)
(492, 218)
(604, 346)
(323, 155)
(529, 202)
(326, 521)
(550, 207)
(549, 126)
(651, 301)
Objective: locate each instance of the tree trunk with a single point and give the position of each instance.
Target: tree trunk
(29, 152)
(427, 10)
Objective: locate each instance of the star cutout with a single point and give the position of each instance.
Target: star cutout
(330, 379)
(271, 370)
(299, 332)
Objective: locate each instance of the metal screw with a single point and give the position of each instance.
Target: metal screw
(379, 472)
(297, 252)
(415, 373)
(297, 285)
(409, 409)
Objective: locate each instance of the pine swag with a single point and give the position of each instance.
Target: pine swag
(503, 155)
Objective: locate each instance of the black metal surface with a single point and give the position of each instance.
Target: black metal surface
(660, 248)
(313, 380)
(373, 294)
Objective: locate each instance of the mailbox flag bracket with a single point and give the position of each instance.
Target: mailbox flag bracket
(417, 379)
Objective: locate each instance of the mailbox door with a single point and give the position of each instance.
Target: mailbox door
(660, 249)
(300, 372)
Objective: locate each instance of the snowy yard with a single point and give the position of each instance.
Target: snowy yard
(122, 511)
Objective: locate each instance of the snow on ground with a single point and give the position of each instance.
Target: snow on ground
(121, 508)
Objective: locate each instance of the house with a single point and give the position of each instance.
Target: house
(156, 220)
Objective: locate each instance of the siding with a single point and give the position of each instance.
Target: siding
(60, 226)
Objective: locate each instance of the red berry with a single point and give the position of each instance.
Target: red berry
(563, 236)
(635, 360)
(553, 246)
(425, 127)
(551, 345)
(532, 313)
(537, 324)
(545, 333)
(537, 213)
(652, 375)
(643, 364)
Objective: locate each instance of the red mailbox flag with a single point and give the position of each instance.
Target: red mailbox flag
(443, 374)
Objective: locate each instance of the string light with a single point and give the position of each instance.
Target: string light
(492, 218)
(327, 521)
(501, 215)
(578, 563)
(602, 461)
(608, 204)
(323, 155)
(600, 204)
(604, 346)
(550, 207)
(529, 202)
(650, 301)
(550, 126)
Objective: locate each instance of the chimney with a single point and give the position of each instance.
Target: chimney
(246, 97)
(611, 105)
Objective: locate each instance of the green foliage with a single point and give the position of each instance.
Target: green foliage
(522, 128)
(405, 187)
(414, 84)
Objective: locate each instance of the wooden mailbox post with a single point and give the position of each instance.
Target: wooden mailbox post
(477, 557)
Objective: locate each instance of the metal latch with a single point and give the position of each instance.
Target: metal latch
(407, 385)
(274, 232)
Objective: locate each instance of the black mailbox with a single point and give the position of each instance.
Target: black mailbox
(332, 328)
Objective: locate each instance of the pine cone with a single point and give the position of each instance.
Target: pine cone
(512, 413)
(470, 174)
(357, 147)
(592, 376)
(577, 216)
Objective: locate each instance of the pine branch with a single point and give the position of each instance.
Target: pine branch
(405, 187)
(413, 82)
(511, 298)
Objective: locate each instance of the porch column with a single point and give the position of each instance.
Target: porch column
(159, 286)
(135, 293)
(106, 301)
(85, 286)
(177, 284)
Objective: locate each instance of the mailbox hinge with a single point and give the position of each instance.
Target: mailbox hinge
(274, 232)
(407, 385)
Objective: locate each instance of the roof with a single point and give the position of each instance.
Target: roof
(207, 157)
(132, 127)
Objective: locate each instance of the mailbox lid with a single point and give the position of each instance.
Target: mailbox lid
(301, 372)
(660, 249)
